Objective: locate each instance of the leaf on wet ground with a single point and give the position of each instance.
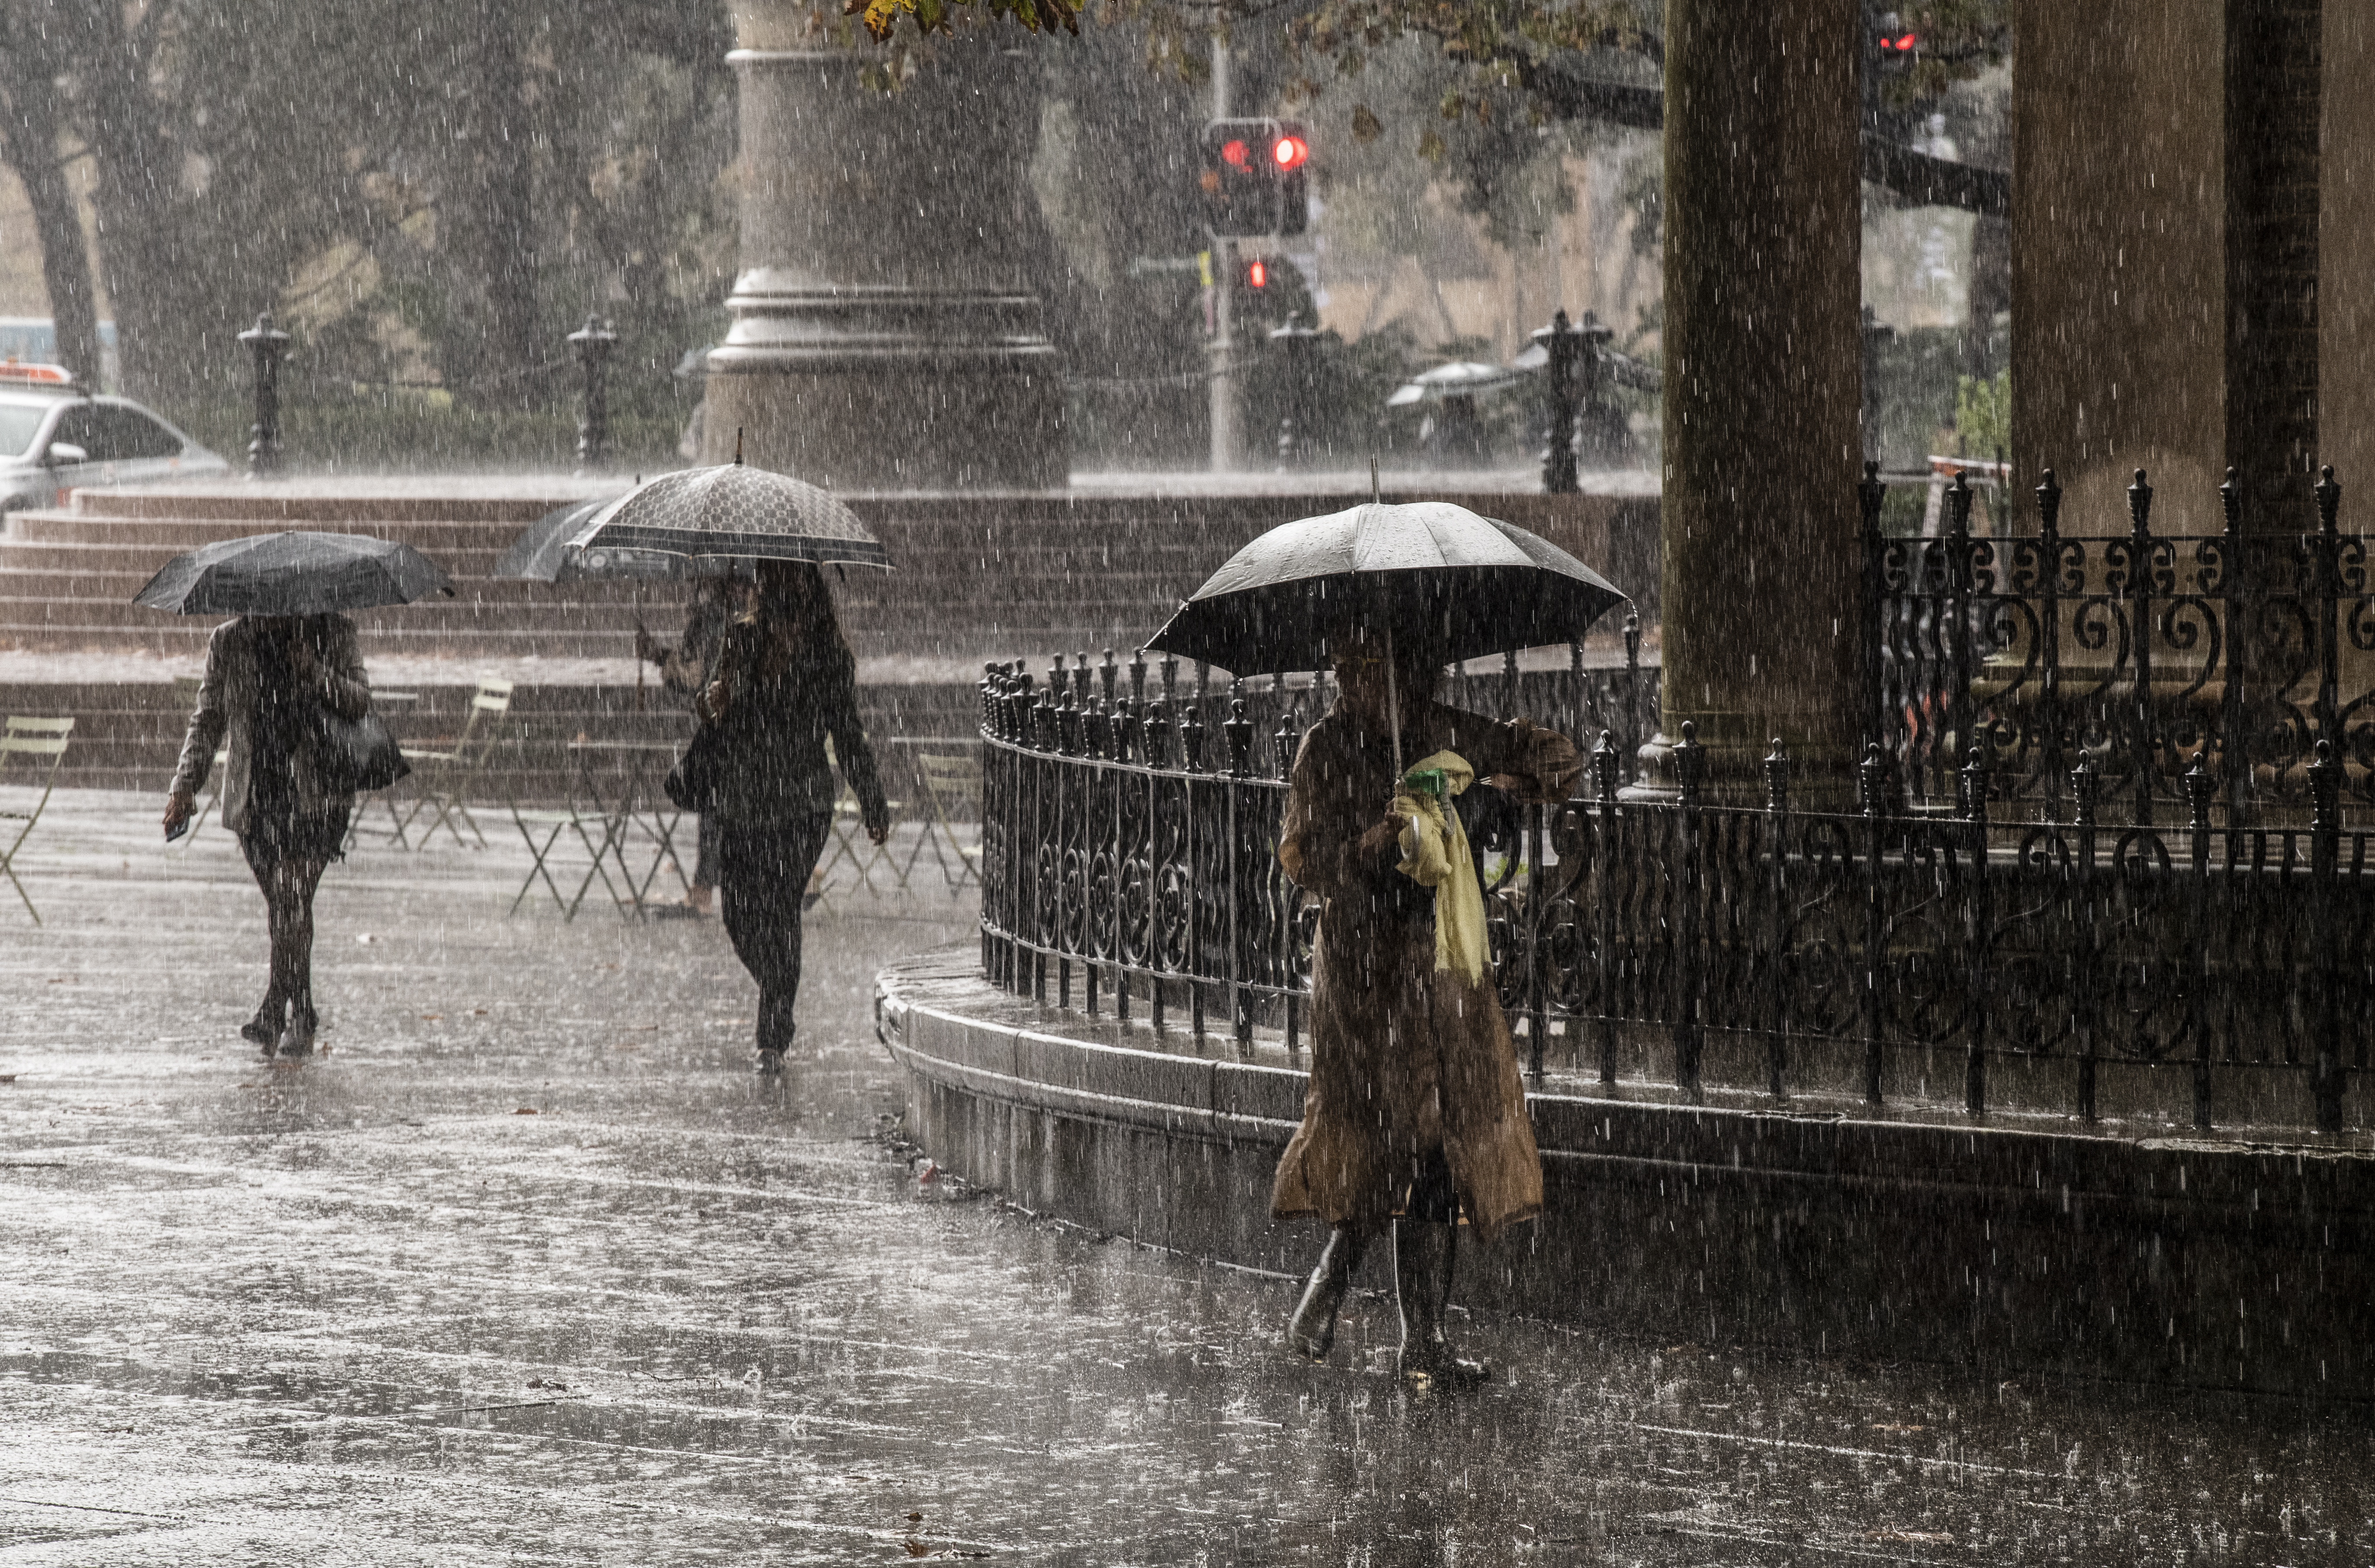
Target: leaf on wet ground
(432, 1018)
(917, 1549)
(1896, 1426)
(526, 1111)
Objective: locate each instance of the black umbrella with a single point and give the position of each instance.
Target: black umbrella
(292, 573)
(737, 512)
(1468, 586)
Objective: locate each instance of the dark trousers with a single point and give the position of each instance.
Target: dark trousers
(762, 874)
(704, 868)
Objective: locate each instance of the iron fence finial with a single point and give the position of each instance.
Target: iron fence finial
(1607, 767)
(1872, 780)
(2231, 502)
(1776, 777)
(2329, 501)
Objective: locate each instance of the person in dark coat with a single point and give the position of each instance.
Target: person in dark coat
(686, 670)
(1415, 1120)
(786, 681)
(267, 679)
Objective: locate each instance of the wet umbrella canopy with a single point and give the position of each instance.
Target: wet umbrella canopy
(543, 552)
(292, 573)
(1472, 585)
(733, 511)
(1461, 379)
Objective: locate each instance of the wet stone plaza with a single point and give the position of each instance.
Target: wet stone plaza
(530, 1267)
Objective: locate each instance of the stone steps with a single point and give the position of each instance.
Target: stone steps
(980, 576)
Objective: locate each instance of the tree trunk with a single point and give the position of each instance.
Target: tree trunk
(28, 140)
(140, 247)
(502, 244)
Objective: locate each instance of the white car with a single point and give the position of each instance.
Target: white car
(54, 438)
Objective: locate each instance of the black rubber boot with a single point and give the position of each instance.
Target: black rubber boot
(1312, 1330)
(264, 1028)
(297, 1039)
(1425, 1253)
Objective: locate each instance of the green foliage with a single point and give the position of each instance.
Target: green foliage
(1983, 413)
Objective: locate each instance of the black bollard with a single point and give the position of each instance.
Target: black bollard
(592, 344)
(268, 344)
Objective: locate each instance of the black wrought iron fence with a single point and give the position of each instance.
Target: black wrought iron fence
(2027, 908)
(2142, 652)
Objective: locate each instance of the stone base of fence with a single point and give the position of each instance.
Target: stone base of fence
(2004, 1248)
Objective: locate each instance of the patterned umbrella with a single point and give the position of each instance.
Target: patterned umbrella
(734, 512)
(292, 573)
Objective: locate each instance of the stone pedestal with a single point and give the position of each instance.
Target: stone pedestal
(1763, 390)
(885, 334)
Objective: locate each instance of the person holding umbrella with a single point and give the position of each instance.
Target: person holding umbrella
(785, 681)
(687, 670)
(785, 684)
(280, 677)
(1414, 1117)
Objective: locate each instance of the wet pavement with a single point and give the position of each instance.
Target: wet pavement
(531, 1267)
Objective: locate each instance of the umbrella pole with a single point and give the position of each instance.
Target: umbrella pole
(1393, 705)
(639, 653)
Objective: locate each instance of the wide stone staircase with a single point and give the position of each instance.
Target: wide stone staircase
(980, 577)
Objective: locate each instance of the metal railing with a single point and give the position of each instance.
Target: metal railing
(2137, 863)
(2142, 652)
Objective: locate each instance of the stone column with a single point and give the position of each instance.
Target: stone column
(1763, 389)
(885, 334)
(2166, 242)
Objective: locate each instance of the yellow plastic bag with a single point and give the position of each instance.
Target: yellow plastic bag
(1435, 854)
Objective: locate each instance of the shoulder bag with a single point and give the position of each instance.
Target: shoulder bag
(357, 754)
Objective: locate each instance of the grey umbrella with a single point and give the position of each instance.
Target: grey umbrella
(292, 573)
(735, 511)
(1469, 586)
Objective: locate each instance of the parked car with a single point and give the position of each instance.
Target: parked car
(34, 340)
(54, 438)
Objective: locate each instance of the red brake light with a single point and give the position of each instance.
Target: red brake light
(1905, 46)
(1257, 275)
(1235, 155)
(1290, 152)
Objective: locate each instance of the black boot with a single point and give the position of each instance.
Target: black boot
(1425, 1253)
(263, 1029)
(1312, 1330)
(297, 1039)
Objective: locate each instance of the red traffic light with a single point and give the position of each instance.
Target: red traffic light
(1257, 275)
(1290, 152)
(1235, 155)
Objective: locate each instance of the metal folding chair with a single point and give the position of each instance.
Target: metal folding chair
(530, 820)
(947, 777)
(441, 778)
(35, 740)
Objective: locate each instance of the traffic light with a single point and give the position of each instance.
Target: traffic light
(1253, 177)
(1896, 44)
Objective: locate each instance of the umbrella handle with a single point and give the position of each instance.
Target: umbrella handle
(1393, 705)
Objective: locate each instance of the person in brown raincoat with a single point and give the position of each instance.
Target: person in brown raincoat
(1415, 1114)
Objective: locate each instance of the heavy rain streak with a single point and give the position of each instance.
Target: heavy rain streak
(1353, 783)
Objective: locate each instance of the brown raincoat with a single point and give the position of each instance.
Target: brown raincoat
(1405, 1059)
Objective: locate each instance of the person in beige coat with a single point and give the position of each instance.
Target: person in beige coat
(267, 679)
(1415, 1116)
